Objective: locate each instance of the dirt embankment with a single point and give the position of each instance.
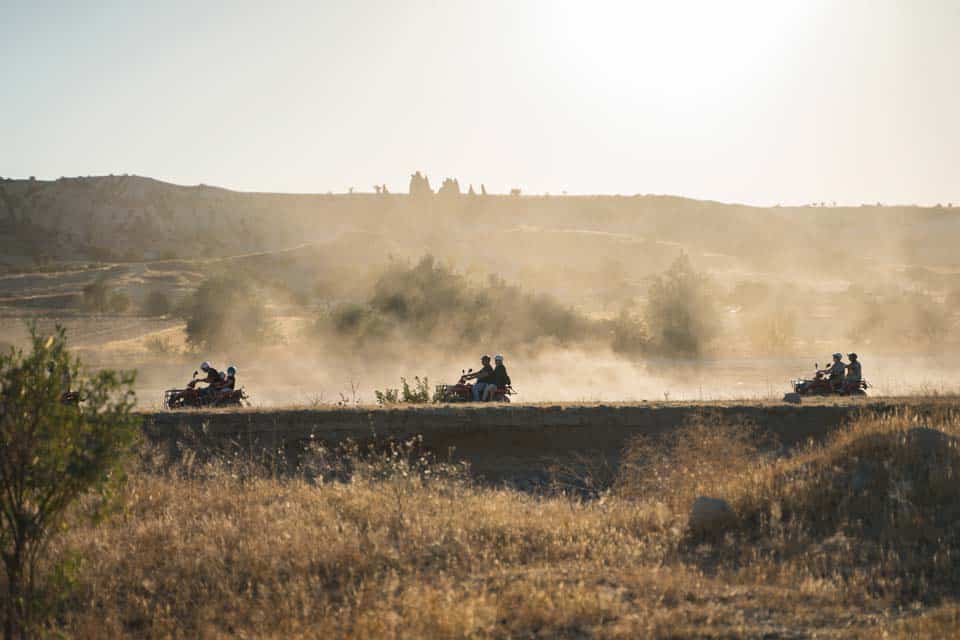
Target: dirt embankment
(513, 443)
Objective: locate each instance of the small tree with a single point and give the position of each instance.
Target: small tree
(51, 454)
(96, 296)
(157, 303)
(226, 312)
(681, 311)
(119, 302)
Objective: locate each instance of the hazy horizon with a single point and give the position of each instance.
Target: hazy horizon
(435, 185)
(754, 103)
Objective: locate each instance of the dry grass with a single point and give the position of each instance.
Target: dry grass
(218, 551)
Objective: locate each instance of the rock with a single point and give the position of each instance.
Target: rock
(793, 398)
(711, 516)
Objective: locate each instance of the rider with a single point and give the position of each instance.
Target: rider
(854, 372)
(500, 378)
(484, 377)
(835, 371)
(213, 378)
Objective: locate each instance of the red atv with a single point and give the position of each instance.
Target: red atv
(820, 385)
(463, 391)
(191, 397)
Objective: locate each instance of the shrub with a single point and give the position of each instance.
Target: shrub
(160, 346)
(157, 303)
(225, 312)
(419, 393)
(629, 334)
(119, 302)
(51, 454)
(96, 296)
(387, 396)
(681, 311)
(429, 301)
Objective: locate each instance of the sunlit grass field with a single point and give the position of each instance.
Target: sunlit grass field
(857, 537)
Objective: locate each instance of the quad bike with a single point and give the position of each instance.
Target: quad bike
(463, 391)
(820, 385)
(196, 398)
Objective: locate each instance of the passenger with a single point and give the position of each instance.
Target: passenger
(483, 377)
(854, 372)
(500, 378)
(230, 380)
(835, 372)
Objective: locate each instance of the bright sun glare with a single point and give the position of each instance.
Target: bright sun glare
(674, 47)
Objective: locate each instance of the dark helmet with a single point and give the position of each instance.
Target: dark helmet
(852, 356)
(484, 358)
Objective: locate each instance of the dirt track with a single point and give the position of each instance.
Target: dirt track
(514, 443)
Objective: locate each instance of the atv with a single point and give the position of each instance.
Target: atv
(191, 397)
(463, 391)
(820, 385)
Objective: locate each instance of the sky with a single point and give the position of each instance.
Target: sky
(761, 102)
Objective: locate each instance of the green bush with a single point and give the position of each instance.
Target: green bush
(629, 334)
(157, 303)
(119, 302)
(430, 302)
(419, 393)
(681, 311)
(96, 296)
(387, 396)
(52, 454)
(226, 312)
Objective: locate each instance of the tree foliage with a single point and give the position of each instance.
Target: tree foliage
(681, 312)
(430, 301)
(225, 312)
(157, 303)
(51, 454)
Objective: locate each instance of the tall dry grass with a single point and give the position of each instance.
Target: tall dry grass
(406, 550)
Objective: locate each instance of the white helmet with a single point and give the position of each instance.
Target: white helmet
(498, 358)
(205, 365)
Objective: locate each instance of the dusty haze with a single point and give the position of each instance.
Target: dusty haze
(353, 291)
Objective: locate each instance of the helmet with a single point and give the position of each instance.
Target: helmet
(498, 358)
(484, 358)
(205, 365)
(852, 355)
(838, 356)
(231, 370)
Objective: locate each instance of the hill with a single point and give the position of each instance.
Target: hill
(137, 218)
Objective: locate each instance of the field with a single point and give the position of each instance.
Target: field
(856, 537)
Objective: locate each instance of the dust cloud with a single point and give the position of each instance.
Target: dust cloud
(322, 299)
